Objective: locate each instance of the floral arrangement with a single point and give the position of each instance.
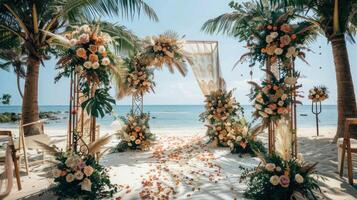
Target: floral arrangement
(89, 56)
(243, 138)
(79, 176)
(272, 99)
(135, 133)
(277, 40)
(318, 93)
(220, 106)
(281, 179)
(166, 49)
(140, 77)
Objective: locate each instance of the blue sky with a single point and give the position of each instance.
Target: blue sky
(186, 18)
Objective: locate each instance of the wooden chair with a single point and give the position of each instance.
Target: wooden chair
(28, 142)
(346, 145)
(14, 155)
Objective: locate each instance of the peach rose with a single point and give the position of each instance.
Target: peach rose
(93, 48)
(293, 36)
(137, 129)
(138, 141)
(69, 177)
(270, 49)
(80, 52)
(269, 27)
(93, 58)
(281, 110)
(285, 40)
(272, 106)
(88, 170)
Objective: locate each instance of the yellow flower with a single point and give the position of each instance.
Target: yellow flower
(299, 178)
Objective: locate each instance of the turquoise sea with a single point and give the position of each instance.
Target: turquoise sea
(176, 116)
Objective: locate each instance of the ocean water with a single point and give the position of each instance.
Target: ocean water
(177, 116)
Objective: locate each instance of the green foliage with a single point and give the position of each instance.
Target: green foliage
(300, 179)
(100, 181)
(100, 104)
(5, 99)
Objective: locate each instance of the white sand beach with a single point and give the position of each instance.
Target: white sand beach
(180, 166)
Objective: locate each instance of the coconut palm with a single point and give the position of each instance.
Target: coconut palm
(29, 22)
(337, 21)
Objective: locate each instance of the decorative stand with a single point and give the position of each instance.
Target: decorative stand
(78, 125)
(316, 111)
(137, 104)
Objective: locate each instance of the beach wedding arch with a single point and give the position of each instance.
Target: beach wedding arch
(157, 51)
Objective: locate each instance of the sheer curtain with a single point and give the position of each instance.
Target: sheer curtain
(205, 64)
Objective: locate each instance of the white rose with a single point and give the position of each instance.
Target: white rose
(95, 65)
(79, 175)
(263, 114)
(270, 167)
(290, 80)
(105, 61)
(56, 172)
(73, 42)
(278, 51)
(268, 111)
(86, 185)
(87, 64)
(258, 106)
(284, 96)
(281, 103)
(299, 178)
(269, 39)
(274, 34)
(239, 138)
(274, 180)
(101, 49)
(69, 177)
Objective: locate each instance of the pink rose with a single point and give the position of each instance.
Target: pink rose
(284, 181)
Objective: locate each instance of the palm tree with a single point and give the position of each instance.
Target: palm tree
(334, 25)
(10, 57)
(29, 23)
(337, 21)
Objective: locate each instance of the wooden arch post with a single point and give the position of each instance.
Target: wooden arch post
(271, 126)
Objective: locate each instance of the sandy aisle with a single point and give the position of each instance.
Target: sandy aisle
(180, 166)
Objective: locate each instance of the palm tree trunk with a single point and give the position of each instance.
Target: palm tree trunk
(30, 100)
(346, 100)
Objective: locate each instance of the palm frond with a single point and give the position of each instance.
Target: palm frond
(52, 150)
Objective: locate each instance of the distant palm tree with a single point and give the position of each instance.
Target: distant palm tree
(29, 22)
(337, 20)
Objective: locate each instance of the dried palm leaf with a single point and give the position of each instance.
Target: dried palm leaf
(95, 146)
(283, 140)
(255, 85)
(52, 150)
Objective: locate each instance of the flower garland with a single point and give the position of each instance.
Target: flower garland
(81, 177)
(243, 138)
(140, 77)
(318, 93)
(278, 41)
(281, 179)
(272, 99)
(89, 56)
(135, 134)
(166, 49)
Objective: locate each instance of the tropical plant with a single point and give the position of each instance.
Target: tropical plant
(5, 99)
(337, 21)
(30, 23)
(11, 57)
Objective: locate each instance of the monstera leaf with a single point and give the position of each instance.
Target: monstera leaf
(99, 104)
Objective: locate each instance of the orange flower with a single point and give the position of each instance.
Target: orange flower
(272, 106)
(99, 41)
(104, 54)
(293, 36)
(93, 58)
(270, 27)
(93, 48)
(137, 129)
(281, 110)
(286, 28)
(243, 144)
(275, 87)
(63, 173)
(81, 53)
(263, 50)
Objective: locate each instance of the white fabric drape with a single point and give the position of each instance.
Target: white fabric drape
(205, 64)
